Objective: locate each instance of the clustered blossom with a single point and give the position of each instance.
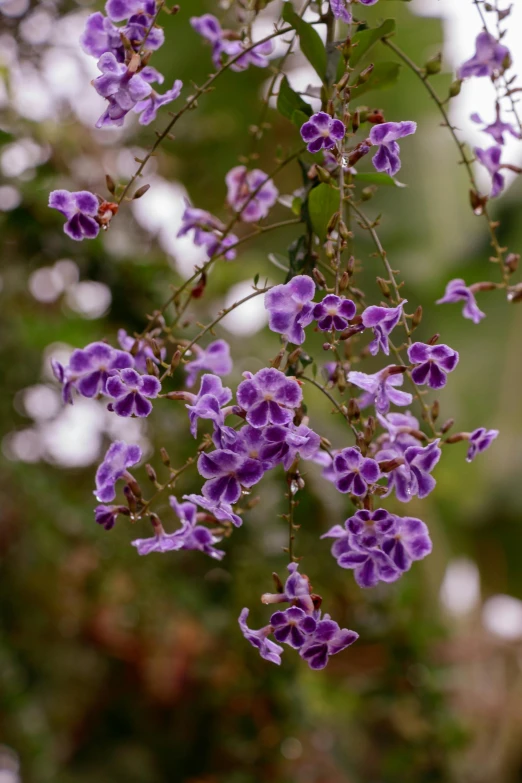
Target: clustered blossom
(386, 159)
(273, 429)
(322, 132)
(226, 42)
(302, 626)
(215, 358)
(458, 291)
(378, 546)
(81, 211)
(190, 536)
(209, 232)
(126, 77)
(432, 364)
(251, 194)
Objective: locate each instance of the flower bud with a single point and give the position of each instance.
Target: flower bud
(151, 473)
(511, 262)
(343, 230)
(319, 278)
(385, 288)
(455, 88)
(141, 192)
(457, 438)
(448, 424)
(354, 413)
(174, 362)
(433, 339)
(323, 175)
(477, 202)
(152, 367)
(434, 64)
(356, 121)
(435, 410)
(344, 281)
(368, 193)
(165, 457)
(416, 317)
(111, 185)
(365, 74)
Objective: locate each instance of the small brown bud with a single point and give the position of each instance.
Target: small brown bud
(385, 288)
(152, 367)
(319, 278)
(346, 49)
(141, 192)
(356, 121)
(329, 249)
(512, 261)
(417, 317)
(151, 473)
(278, 583)
(354, 413)
(174, 362)
(165, 457)
(111, 185)
(459, 436)
(435, 410)
(344, 281)
(477, 202)
(343, 230)
(433, 339)
(294, 356)
(448, 424)
(368, 193)
(391, 464)
(332, 222)
(199, 289)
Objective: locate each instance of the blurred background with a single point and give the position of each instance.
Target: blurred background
(123, 669)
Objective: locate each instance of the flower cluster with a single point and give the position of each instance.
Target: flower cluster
(122, 53)
(264, 425)
(301, 626)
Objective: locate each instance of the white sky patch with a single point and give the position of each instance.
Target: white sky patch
(502, 616)
(461, 26)
(250, 317)
(460, 589)
(159, 212)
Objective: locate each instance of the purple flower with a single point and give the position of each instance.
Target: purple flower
(328, 639)
(132, 393)
(143, 352)
(251, 194)
(496, 129)
(190, 536)
(340, 10)
(383, 321)
(413, 476)
(269, 397)
(297, 590)
(208, 232)
(118, 458)
(385, 135)
(148, 108)
(123, 88)
(480, 440)
(292, 626)
(209, 27)
(358, 546)
(89, 368)
(353, 472)
(284, 444)
(221, 511)
(490, 159)
(322, 132)
(80, 209)
(258, 56)
(380, 389)
(267, 649)
(119, 10)
(215, 357)
(410, 541)
(457, 291)
(227, 472)
(399, 427)
(490, 58)
(225, 42)
(208, 402)
(433, 363)
(106, 515)
(101, 36)
(290, 308)
(334, 313)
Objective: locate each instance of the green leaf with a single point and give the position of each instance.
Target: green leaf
(367, 38)
(323, 201)
(289, 101)
(310, 40)
(299, 118)
(384, 75)
(375, 178)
